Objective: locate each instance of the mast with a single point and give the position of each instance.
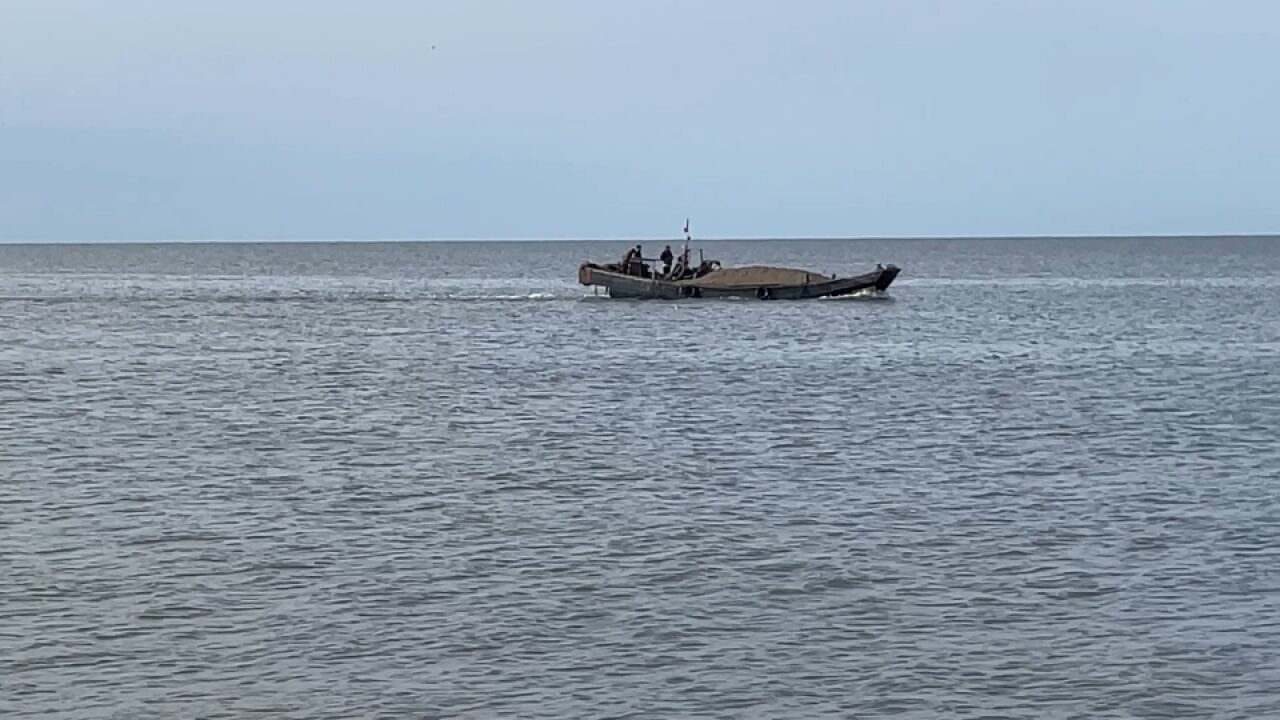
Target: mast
(686, 243)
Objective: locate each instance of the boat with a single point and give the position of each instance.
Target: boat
(634, 277)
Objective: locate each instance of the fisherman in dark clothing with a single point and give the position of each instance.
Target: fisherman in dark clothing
(666, 258)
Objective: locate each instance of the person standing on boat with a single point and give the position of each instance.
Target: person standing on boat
(666, 258)
(633, 254)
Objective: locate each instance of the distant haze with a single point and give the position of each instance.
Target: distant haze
(141, 120)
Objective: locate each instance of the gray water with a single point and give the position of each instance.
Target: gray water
(1037, 480)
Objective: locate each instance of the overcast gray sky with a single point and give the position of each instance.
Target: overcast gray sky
(247, 119)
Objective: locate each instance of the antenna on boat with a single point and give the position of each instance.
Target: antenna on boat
(686, 242)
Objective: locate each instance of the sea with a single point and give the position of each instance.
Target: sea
(1037, 478)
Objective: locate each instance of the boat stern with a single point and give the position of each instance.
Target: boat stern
(586, 274)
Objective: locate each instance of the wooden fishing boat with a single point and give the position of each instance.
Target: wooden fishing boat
(634, 277)
(760, 282)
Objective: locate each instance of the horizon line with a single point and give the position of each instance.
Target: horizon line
(641, 239)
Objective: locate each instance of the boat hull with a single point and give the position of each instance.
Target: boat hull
(620, 285)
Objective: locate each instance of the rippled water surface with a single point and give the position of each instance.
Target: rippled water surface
(1038, 480)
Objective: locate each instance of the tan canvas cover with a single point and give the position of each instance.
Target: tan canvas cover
(756, 276)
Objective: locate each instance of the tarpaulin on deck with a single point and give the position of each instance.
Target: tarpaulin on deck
(756, 276)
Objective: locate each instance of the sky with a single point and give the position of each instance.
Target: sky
(274, 119)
